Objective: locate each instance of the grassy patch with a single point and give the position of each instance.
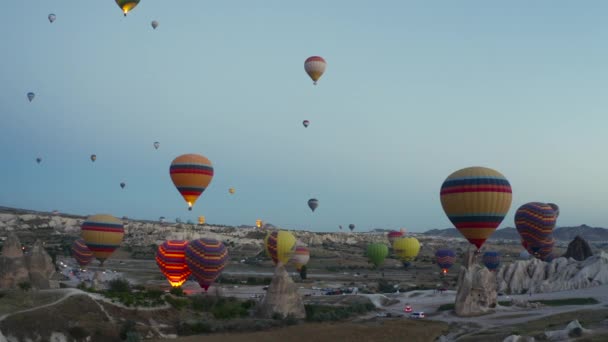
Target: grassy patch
(569, 301)
(322, 313)
(446, 307)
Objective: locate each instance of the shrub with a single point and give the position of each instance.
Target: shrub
(25, 286)
(177, 303)
(177, 291)
(78, 333)
(119, 285)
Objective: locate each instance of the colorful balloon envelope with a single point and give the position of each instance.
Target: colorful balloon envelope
(313, 203)
(445, 259)
(102, 234)
(171, 259)
(535, 222)
(127, 5)
(376, 253)
(555, 208)
(191, 175)
(393, 235)
(491, 260)
(201, 219)
(81, 252)
(315, 67)
(476, 200)
(300, 257)
(406, 249)
(305, 123)
(30, 96)
(259, 223)
(280, 245)
(206, 258)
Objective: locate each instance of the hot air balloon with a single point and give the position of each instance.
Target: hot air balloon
(305, 123)
(171, 259)
(445, 259)
(206, 258)
(403, 231)
(280, 244)
(81, 252)
(30, 96)
(201, 220)
(491, 259)
(191, 175)
(258, 223)
(231, 191)
(476, 200)
(300, 257)
(127, 5)
(376, 253)
(555, 208)
(535, 222)
(340, 226)
(161, 219)
(392, 236)
(52, 17)
(406, 249)
(313, 203)
(38, 160)
(122, 185)
(102, 234)
(93, 157)
(315, 67)
(351, 227)
(154, 24)
(156, 145)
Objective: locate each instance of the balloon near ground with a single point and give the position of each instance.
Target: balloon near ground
(102, 234)
(445, 259)
(280, 245)
(81, 253)
(491, 260)
(127, 5)
(171, 259)
(206, 258)
(406, 249)
(535, 222)
(376, 253)
(201, 220)
(300, 257)
(393, 235)
(191, 175)
(476, 200)
(351, 227)
(315, 67)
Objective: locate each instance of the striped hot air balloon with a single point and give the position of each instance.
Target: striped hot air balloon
(191, 175)
(81, 253)
(206, 258)
(445, 259)
(102, 234)
(376, 253)
(280, 245)
(300, 257)
(315, 67)
(491, 260)
(393, 235)
(171, 259)
(476, 200)
(535, 222)
(406, 249)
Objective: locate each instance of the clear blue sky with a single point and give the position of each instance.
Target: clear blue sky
(413, 91)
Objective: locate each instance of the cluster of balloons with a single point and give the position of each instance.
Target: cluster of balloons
(282, 247)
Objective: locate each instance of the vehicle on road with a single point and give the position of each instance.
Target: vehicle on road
(417, 315)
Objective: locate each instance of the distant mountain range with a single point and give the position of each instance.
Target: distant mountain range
(561, 233)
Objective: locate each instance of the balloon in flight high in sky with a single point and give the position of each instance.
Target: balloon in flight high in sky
(93, 157)
(231, 191)
(127, 5)
(156, 145)
(315, 67)
(305, 123)
(154, 24)
(52, 17)
(38, 160)
(122, 185)
(476, 200)
(191, 175)
(313, 203)
(30, 96)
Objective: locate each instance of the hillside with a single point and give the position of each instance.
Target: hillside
(593, 234)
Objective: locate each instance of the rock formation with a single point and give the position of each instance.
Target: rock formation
(573, 329)
(282, 297)
(36, 268)
(476, 294)
(578, 249)
(561, 274)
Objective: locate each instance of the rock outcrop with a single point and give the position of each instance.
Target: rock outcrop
(561, 274)
(578, 249)
(282, 297)
(573, 329)
(476, 293)
(36, 267)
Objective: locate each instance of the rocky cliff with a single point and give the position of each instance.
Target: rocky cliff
(35, 267)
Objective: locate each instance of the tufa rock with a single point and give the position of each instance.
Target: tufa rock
(12, 247)
(578, 249)
(476, 293)
(13, 269)
(40, 266)
(282, 297)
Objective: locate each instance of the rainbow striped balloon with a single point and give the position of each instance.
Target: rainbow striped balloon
(191, 175)
(280, 245)
(300, 257)
(476, 200)
(535, 222)
(171, 259)
(102, 234)
(206, 258)
(491, 260)
(81, 252)
(445, 259)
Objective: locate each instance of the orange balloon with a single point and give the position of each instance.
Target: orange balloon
(191, 175)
